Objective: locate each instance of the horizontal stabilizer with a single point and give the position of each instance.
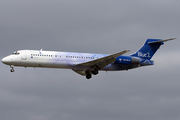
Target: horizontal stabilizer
(161, 41)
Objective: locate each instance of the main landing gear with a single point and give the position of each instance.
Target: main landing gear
(95, 72)
(12, 69)
(88, 76)
(89, 73)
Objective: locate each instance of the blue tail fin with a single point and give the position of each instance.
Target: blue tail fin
(149, 48)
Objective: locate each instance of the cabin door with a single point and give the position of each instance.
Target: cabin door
(23, 55)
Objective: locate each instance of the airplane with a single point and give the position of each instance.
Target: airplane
(85, 64)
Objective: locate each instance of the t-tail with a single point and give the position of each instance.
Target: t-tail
(149, 48)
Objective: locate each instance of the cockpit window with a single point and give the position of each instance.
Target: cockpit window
(16, 53)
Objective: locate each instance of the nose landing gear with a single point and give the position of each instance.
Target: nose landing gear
(12, 69)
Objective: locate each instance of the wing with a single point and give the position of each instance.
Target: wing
(104, 61)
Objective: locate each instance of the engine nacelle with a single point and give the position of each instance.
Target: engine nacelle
(135, 60)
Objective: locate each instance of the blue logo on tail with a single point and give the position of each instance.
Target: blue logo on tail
(144, 55)
(149, 49)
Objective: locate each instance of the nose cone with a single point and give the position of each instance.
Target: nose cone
(6, 60)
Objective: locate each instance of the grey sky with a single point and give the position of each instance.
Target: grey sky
(96, 26)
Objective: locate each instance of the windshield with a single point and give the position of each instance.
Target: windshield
(16, 53)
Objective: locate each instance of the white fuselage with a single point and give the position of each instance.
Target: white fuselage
(51, 59)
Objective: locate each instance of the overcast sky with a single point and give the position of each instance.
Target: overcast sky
(93, 26)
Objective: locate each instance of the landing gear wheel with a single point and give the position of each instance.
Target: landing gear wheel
(88, 76)
(12, 70)
(95, 72)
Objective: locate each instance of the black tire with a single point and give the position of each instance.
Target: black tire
(95, 72)
(12, 70)
(88, 76)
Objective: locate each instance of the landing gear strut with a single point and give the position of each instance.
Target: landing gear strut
(12, 69)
